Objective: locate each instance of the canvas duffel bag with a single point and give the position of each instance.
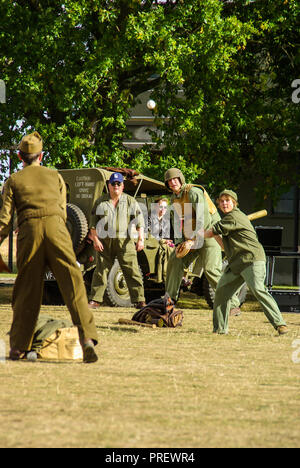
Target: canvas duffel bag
(56, 339)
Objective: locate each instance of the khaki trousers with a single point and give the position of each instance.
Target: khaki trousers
(124, 250)
(209, 257)
(46, 242)
(254, 276)
(161, 261)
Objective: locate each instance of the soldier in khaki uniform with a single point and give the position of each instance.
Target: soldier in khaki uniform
(246, 262)
(39, 196)
(207, 252)
(114, 215)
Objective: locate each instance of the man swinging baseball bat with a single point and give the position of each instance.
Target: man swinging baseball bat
(246, 263)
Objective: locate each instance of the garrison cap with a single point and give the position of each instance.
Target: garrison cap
(31, 144)
(230, 193)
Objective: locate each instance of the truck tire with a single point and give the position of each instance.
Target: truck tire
(77, 226)
(117, 293)
(52, 294)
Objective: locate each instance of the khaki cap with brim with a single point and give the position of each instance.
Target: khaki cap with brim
(230, 193)
(31, 144)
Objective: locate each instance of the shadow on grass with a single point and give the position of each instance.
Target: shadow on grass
(116, 327)
(46, 361)
(5, 294)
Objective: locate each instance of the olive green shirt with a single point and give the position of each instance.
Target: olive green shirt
(117, 222)
(241, 244)
(199, 204)
(34, 192)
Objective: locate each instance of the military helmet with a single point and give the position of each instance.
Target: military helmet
(172, 174)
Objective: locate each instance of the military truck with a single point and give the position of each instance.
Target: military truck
(84, 187)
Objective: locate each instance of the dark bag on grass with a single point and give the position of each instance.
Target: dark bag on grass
(160, 312)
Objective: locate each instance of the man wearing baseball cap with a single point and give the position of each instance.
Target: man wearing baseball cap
(38, 194)
(116, 177)
(112, 215)
(246, 263)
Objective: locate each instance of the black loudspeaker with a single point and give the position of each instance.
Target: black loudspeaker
(287, 300)
(270, 237)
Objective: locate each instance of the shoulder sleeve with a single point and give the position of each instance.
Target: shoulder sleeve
(94, 218)
(63, 194)
(196, 195)
(197, 198)
(7, 210)
(139, 217)
(215, 218)
(200, 205)
(225, 226)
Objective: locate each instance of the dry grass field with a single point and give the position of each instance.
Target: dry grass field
(163, 388)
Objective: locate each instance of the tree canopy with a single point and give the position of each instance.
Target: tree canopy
(73, 69)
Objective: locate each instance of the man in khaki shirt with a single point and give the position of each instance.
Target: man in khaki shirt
(246, 263)
(38, 195)
(114, 215)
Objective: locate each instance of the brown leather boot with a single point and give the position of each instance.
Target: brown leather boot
(282, 329)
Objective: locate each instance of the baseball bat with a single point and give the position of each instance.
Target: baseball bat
(257, 214)
(3, 266)
(124, 321)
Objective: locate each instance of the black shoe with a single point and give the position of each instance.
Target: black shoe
(89, 353)
(16, 354)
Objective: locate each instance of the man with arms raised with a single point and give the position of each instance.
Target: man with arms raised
(38, 194)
